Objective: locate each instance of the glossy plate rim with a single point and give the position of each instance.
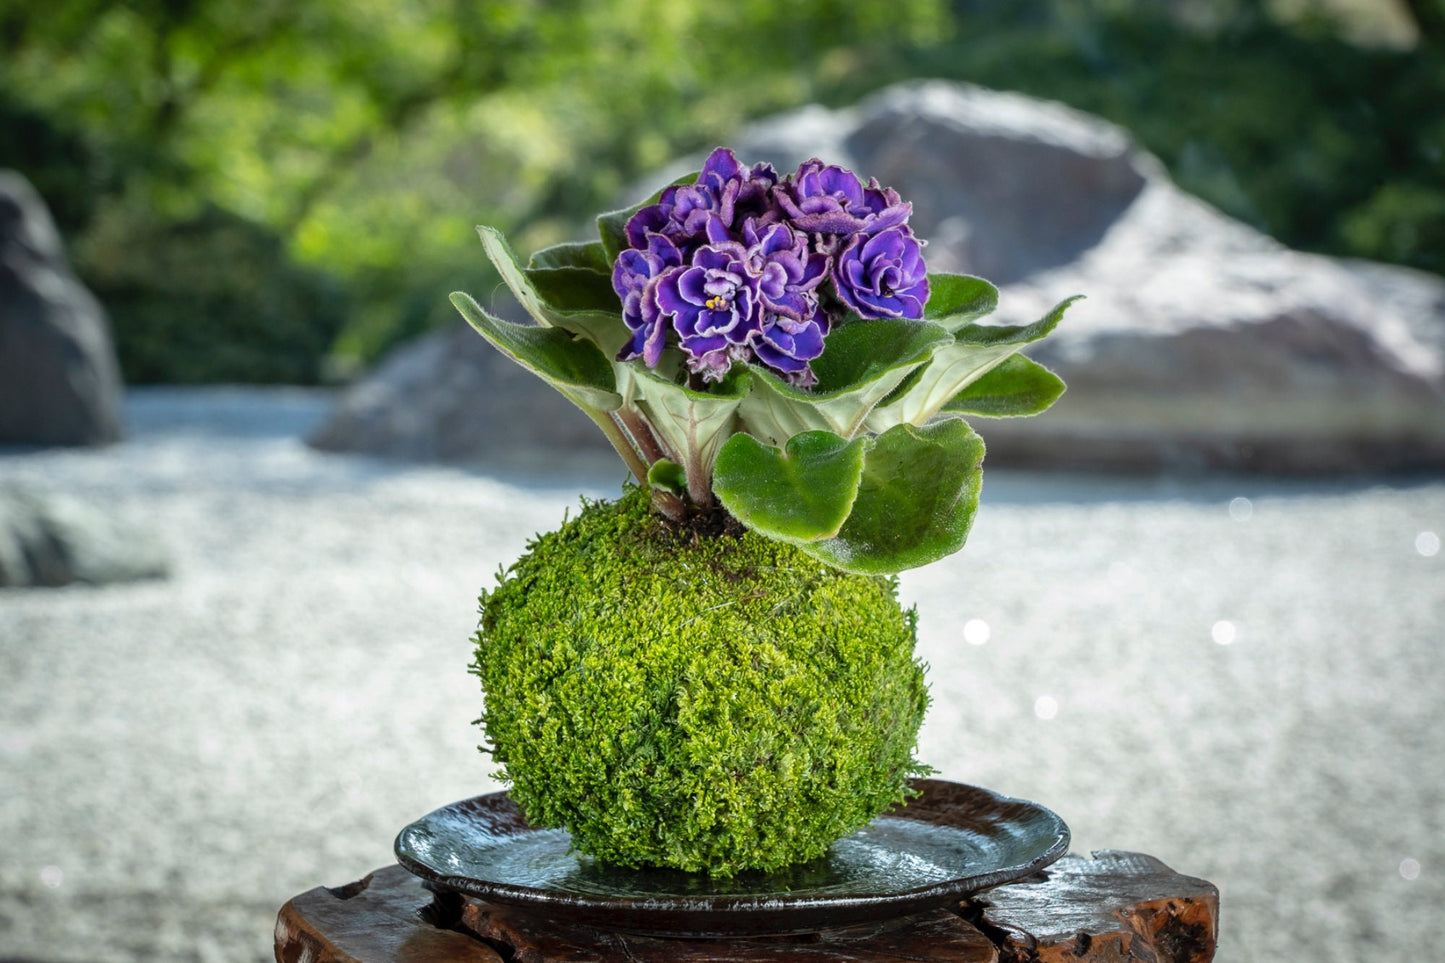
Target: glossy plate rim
(769, 911)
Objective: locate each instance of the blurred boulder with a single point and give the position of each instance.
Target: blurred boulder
(50, 540)
(1203, 344)
(1003, 185)
(451, 396)
(60, 383)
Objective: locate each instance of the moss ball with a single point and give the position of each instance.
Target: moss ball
(711, 704)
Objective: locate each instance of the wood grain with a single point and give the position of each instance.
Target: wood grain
(932, 937)
(388, 916)
(1113, 908)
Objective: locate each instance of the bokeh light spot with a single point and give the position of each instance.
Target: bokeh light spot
(1224, 632)
(1427, 544)
(1046, 707)
(1410, 868)
(1240, 509)
(53, 876)
(975, 631)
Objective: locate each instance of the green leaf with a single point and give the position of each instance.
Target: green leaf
(861, 353)
(692, 425)
(1015, 334)
(976, 350)
(574, 367)
(916, 500)
(589, 307)
(573, 254)
(572, 278)
(797, 495)
(1017, 386)
(667, 476)
(863, 362)
(612, 226)
(568, 289)
(956, 299)
(505, 259)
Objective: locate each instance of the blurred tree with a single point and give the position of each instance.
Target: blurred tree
(333, 156)
(1430, 18)
(1327, 145)
(58, 161)
(370, 136)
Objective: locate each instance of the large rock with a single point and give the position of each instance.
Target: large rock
(451, 396)
(50, 540)
(1002, 185)
(60, 382)
(1202, 344)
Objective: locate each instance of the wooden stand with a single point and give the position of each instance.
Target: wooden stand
(1113, 908)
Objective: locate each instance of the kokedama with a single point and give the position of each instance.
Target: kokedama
(713, 673)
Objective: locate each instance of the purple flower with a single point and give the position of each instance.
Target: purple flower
(786, 269)
(713, 305)
(742, 266)
(705, 211)
(687, 215)
(750, 188)
(634, 278)
(787, 345)
(882, 275)
(832, 200)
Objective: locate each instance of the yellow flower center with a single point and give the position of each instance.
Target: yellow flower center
(718, 304)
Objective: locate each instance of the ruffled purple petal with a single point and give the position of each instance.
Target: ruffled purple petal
(743, 265)
(720, 167)
(882, 275)
(711, 303)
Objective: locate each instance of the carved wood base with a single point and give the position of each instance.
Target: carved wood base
(1114, 908)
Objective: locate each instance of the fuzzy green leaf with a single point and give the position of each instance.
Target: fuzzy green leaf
(612, 226)
(575, 299)
(797, 495)
(573, 254)
(863, 362)
(605, 330)
(667, 476)
(1015, 334)
(507, 264)
(1018, 386)
(976, 350)
(569, 289)
(916, 500)
(692, 425)
(956, 299)
(574, 367)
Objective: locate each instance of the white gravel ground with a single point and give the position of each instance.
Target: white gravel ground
(1250, 691)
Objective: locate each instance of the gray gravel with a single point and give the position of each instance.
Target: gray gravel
(179, 757)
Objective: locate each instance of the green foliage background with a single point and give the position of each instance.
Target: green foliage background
(263, 190)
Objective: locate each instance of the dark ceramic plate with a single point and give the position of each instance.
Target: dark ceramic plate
(950, 841)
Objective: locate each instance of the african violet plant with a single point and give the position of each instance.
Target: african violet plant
(769, 350)
(693, 334)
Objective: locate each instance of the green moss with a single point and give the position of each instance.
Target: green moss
(714, 704)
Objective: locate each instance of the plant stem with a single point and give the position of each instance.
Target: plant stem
(669, 504)
(606, 421)
(641, 434)
(698, 489)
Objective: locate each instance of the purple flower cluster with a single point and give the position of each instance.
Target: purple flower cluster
(745, 266)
